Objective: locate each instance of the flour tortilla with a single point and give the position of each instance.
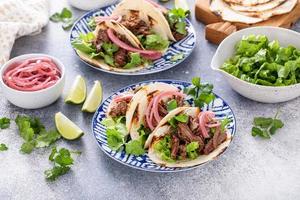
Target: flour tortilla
(258, 8)
(159, 23)
(247, 2)
(135, 116)
(283, 8)
(222, 9)
(164, 129)
(229, 14)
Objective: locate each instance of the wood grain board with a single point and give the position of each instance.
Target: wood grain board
(217, 29)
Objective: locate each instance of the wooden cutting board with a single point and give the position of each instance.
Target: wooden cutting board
(216, 29)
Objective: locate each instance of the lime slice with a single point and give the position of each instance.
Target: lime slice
(93, 99)
(77, 93)
(182, 4)
(66, 127)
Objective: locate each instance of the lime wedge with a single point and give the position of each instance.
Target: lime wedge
(77, 93)
(182, 4)
(66, 127)
(93, 99)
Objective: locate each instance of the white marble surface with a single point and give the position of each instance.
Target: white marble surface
(251, 169)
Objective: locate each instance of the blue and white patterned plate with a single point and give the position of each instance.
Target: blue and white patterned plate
(219, 106)
(184, 46)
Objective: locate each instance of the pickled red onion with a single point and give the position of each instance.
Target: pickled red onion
(32, 74)
(152, 55)
(204, 118)
(152, 113)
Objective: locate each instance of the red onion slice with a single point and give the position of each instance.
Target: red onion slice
(152, 55)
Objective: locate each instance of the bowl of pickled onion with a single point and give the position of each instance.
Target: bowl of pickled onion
(32, 80)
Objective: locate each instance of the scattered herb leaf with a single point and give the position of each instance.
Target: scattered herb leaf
(4, 123)
(3, 147)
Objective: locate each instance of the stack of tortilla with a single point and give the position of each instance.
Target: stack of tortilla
(251, 11)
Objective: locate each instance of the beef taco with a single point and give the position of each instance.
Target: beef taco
(153, 24)
(112, 47)
(149, 105)
(187, 137)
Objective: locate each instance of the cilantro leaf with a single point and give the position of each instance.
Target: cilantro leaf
(47, 138)
(55, 172)
(176, 18)
(62, 161)
(68, 24)
(4, 123)
(27, 147)
(266, 126)
(200, 92)
(183, 118)
(3, 147)
(65, 14)
(171, 105)
(34, 133)
(224, 123)
(114, 139)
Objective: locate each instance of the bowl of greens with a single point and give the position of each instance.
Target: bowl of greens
(261, 63)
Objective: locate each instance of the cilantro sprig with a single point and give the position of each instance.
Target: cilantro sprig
(34, 133)
(4, 123)
(200, 92)
(62, 161)
(65, 16)
(266, 126)
(117, 136)
(176, 18)
(3, 147)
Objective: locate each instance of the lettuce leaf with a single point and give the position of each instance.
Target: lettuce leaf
(155, 42)
(135, 60)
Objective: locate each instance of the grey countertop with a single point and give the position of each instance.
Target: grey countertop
(251, 168)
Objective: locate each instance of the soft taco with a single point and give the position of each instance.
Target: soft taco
(187, 137)
(153, 24)
(153, 105)
(112, 47)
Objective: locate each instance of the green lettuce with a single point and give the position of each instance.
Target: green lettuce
(155, 42)
(259, 61)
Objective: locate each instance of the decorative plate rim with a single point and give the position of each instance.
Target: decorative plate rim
(157, 170)
(136, 73)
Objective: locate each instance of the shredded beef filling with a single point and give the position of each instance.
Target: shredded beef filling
(135, 24)
(189, 132)
(100, 39)
(119, 109)
(120, 57)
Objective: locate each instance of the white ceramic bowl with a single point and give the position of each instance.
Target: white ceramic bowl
(266, 94)
(91, 4)
(36, 99)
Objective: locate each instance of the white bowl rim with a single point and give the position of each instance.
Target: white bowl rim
(245, 82)
(32, 55)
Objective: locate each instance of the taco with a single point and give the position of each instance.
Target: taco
(112, 47)
(153, 24)
(149, 105)
(187, 137)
